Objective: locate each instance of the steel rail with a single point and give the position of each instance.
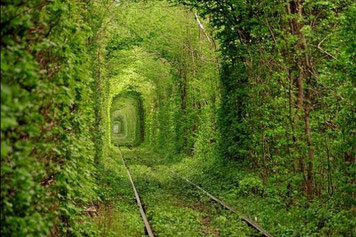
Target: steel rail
(243, 217)
(138, 200)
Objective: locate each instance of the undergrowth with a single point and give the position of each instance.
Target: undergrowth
(279, 211)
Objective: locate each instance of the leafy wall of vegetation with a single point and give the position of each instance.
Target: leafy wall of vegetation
(287, 87)
(47, 117)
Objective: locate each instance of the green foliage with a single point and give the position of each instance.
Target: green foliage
(46, 119)
(174, 71)
(126, 113)
(287, 92)
(251, 185)
(258, 94)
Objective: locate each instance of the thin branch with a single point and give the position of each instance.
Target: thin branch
(270, 30)
(202, 27)
(323, 50)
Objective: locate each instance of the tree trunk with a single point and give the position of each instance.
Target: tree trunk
(303, 85)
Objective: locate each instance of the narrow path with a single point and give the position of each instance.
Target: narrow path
(176, 208)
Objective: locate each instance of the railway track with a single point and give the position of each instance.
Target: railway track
(243, 217)
(148, 228)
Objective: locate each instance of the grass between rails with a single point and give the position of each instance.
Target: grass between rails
(175, 208)
(118, 214)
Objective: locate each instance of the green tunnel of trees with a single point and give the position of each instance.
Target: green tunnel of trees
(267, 85)
(126, 120)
